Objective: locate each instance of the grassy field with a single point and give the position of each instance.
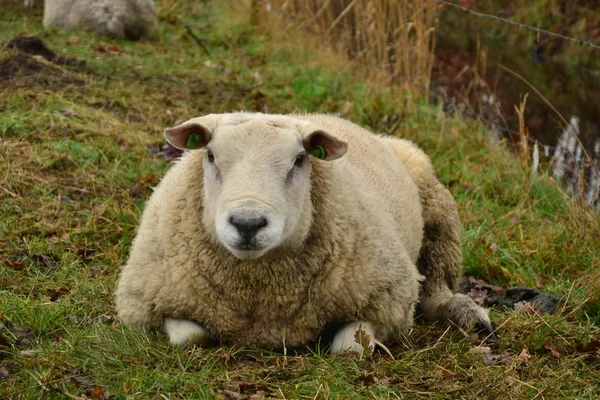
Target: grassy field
(78, 157)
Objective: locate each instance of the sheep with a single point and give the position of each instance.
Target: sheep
(122, 19)
(271, 227)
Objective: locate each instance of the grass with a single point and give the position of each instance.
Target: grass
(77, 160)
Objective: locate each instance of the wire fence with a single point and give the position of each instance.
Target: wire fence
(570, 162)
(518, 24)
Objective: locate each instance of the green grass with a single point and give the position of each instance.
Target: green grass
(76, 167)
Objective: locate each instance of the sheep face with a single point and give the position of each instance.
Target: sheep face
(256, 177)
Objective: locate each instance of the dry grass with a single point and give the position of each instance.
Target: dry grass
(393, 40)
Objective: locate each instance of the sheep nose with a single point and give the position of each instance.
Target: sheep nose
(248, 227)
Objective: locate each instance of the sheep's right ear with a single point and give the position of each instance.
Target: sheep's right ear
(192, 134)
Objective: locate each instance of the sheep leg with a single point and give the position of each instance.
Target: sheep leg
(351, 337)
(440, 258)
(440, 261)
(184, 333)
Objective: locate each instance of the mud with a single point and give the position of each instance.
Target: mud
(27, 61)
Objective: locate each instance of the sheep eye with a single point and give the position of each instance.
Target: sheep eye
(299, 161)
(210, 156)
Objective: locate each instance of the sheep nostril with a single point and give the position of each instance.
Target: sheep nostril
(248, 227)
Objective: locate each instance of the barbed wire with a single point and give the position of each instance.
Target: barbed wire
(520, 25)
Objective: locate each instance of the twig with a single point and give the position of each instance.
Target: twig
(200, 42)
(12, 194)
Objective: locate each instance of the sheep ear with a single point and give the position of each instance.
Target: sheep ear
(323, 145)
(192, 134)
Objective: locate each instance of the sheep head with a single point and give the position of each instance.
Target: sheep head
(257, 171)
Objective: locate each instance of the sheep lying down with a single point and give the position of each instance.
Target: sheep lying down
(273, 226)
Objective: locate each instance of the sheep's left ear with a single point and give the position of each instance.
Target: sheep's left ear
(192, 134)
(322, 144)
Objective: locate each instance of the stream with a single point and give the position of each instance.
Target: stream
(467, 43)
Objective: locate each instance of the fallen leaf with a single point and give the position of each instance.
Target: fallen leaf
(85, 254)
(6, 370)
(491, 249)
(109, 48)
(17, 266)
(551, 348)
(540, 281)
(23, 335)
(95, 272)
(590, 347)
(368, 379)
(96, 392)
(257, 396)
(55, 294)
(142, 187)
(385, 381)
(363, 338)
(74, 40)
(49, 261)
(523, 356)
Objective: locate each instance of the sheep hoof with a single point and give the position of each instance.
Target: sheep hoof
(355, 337)
(184, 333)
(466, 314)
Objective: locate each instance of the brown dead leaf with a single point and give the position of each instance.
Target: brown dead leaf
(74, 40)
(98, 393)
(55, 294)
(109, 48)
(6, 370)
(17, 266)
(368, 379)
(362, 337)
(591, 347)
(491, 248)
(540, 281)
(523, 356)
(143, 185)
(260, 395)
(95, 272)
(548, 345)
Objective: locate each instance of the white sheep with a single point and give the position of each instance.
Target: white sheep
(273, 226)
(122, 19)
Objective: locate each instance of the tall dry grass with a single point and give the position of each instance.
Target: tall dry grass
(393, 40)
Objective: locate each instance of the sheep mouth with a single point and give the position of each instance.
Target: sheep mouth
(248, 252)
(244, 246)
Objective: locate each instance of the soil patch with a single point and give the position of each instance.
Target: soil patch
(27, 61)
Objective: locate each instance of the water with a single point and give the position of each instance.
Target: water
(574, 91)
